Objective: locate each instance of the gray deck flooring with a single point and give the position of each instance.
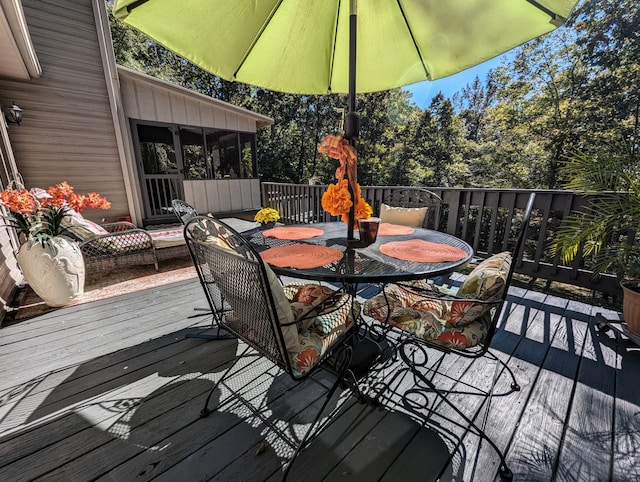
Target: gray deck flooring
(111, 390)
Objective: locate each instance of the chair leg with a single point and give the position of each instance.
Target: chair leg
(515, 386)
(504, 471)
(343, 373)
(203, 312)
(215, 323)
(206, 410)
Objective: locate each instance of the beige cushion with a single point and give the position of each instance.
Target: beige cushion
(82, 227)
(284, 312)
(167, 238)
(413, 217)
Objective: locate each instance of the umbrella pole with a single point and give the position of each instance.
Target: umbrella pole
(352, 123)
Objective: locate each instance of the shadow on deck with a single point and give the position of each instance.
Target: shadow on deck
(112, 390)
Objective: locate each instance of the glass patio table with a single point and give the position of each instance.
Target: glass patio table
(363, 263)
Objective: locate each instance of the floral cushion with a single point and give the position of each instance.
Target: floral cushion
(454, 323)
(323, 315)
(487, 281)
(413, 217)
(320, 308)
(314, 345)
(311, 317)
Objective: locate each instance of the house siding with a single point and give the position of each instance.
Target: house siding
(72, 106)
(10, 275)
(67, 132)
(151, 100)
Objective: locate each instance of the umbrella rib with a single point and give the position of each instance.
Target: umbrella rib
(333, 54)
(556, 19)
(135, 5)
(255, 40)
(413, 39)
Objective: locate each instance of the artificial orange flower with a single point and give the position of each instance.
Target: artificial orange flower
(18, 201)
(336, 200)
(363, 210)
(38, 214)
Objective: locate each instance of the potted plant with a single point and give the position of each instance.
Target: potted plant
(601, 229)
(267, 217)
(51, 263)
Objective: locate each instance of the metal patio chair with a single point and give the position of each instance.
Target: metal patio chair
(412, 206)
(420, 315)
(183, 210)
(297, 327)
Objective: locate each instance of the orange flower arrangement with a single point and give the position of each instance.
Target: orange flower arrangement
(38, 214)
(337, 198)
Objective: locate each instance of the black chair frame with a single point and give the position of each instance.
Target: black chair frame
(417, 197)
(413, 351)
(236, 285)
(183, 210)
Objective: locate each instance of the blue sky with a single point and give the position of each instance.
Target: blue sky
(423, 92)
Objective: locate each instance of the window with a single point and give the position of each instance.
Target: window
(206, 153)
(195, 163)
(157, 150)
(248, 155)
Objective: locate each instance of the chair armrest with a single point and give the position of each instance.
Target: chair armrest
(119, 226)
(434, 294)
(119, 242)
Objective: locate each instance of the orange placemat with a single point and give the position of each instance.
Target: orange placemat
(293, 233)
(301, 256)
(422, 251)
(388, 229)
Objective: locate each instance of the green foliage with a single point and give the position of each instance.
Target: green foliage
(576, 89)
(602, 229)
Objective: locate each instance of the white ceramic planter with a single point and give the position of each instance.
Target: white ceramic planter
(56, 276)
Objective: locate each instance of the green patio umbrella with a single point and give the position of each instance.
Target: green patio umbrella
(309, 46)
(302, 46)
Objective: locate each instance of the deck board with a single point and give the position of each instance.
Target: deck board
(626, 430)
(535, 451)
(586, 447)
(111, 390)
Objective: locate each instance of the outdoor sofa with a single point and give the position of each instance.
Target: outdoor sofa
(117, 245)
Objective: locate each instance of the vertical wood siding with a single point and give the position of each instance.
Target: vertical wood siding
(152, 100)
(10, 274)
(223, 195)
(67, 132)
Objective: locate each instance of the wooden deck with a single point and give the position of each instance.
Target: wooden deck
(111, 390)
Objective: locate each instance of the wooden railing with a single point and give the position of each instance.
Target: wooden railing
(487, 219)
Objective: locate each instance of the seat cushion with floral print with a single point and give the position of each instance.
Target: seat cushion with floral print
(320, 308)
(455, 323)
(487, 280)
(322, 315)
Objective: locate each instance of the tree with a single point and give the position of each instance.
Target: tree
(577, 88)
(608, 43)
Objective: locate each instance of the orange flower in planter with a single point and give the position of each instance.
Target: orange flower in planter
(38, 214)
(18, 201)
